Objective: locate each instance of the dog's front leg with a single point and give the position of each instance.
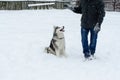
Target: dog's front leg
(63, 53)
(57, 52)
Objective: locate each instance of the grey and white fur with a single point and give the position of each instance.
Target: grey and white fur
(57, 43)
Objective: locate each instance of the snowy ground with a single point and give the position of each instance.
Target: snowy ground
(25, 34)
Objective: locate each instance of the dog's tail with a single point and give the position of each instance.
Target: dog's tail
(46, 50)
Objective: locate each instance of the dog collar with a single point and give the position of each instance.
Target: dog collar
(61, 38)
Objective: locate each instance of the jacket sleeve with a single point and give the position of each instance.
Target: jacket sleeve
(101, 11)
(78, 9)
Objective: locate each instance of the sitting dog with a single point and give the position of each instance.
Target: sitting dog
(57, 44)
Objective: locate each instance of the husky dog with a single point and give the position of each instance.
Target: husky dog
(57, 44)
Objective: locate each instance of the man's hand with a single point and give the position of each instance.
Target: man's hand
(68, 6)
(97, 28)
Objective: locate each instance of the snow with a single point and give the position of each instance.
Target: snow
(24, 35)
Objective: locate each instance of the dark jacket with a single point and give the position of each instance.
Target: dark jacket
(92, 12)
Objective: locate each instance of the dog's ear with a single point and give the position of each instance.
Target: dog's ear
(54, 27)
(63, 27)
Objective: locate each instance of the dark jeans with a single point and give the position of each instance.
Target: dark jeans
(88, 49)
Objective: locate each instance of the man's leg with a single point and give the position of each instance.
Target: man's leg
(93, 41)
(84, 36)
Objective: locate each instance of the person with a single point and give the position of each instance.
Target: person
(92, 17)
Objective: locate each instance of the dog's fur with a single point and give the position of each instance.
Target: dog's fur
(57, 44)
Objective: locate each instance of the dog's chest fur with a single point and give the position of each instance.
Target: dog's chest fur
(59, 43)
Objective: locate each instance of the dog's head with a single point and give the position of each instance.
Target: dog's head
(59, 31)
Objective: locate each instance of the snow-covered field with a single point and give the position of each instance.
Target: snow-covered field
(25, 34)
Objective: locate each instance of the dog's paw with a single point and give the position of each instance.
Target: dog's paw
(64, 54)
